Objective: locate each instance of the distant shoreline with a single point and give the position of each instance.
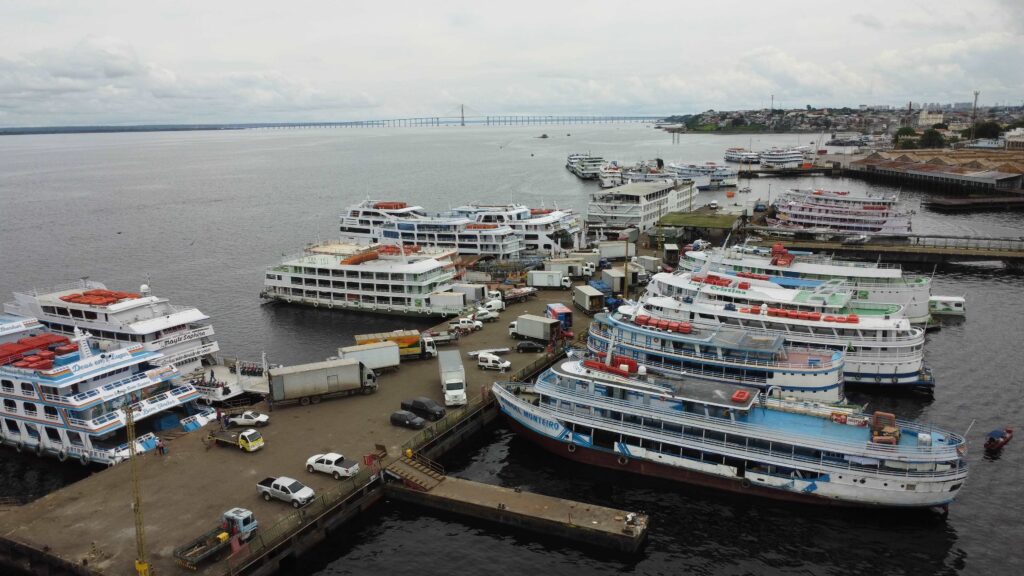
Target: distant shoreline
(28, 130)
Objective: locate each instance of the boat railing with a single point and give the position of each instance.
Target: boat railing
(725, 447)
(914, 337)
(821, 364)
(944, 452)
(82, 284)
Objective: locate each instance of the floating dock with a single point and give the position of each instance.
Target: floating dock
(423, 484)
(919, 249)
(976, 203)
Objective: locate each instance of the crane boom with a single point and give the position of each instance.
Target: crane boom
(141, 565)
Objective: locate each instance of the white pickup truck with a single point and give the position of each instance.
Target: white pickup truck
(286, 489)
(334, 464)
(467, 324)
(249, 418)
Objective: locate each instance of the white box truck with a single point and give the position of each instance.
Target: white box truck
(649, 263)
(592, 257)
(535, 328)
(571, 267)
(613, 277)
(473, 292)
(377, 356)
(453, 378)
(588, 299)
(548, 279)
(310, 383)
(616, 250)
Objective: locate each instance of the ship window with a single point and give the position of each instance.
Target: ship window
(32, 431)
(10, 405)
(75, 313)
(12, 427)
(90, 315)
(27, 388)
(30, 409)
(48, 310)
(50, 412)
(52, 434)
(8, 386)
(62, 311)
(74, 438)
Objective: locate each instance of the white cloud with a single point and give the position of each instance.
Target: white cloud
(126, 62)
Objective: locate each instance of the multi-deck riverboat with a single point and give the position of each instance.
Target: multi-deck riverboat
(742, 156)
(868, 281)
(542, 230)
(585, 166)
(722, 353)
(67, 397)
(778, 158)
(707, 176)
(182, 334)
(881, 346)
(827, 211)
(375, 221)
(387, 279)
(723, 436)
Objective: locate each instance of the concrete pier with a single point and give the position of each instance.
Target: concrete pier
(578, 522)
(88, 527)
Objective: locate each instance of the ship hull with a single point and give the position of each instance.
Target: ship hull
(615, 461)
(362, 309)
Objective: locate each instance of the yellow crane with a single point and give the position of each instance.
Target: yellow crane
(141, 565)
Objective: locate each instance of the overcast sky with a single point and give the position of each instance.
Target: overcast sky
(98, 62)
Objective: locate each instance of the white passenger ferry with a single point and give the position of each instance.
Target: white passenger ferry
(707, 176)
(542, 230)
(376, 221)
(182, 334)
(869, 281)
(881, 346)
(386, 279)
(585, 166)
(723, 436)
(783, 158)
(742, 156)
(638, 205)
(648, 171)
(64, 397)
(722, 353)
(842, 212)
(611, 175)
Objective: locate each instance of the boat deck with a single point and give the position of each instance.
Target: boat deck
(819, 427)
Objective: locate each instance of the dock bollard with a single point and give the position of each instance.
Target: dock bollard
(408, 453)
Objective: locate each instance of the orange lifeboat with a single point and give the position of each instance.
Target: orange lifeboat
(360, 258)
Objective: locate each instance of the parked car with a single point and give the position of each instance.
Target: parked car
(485, 315)
(488, 361)
(334, 464)
(530, 346)
(407, 419)
(249, 418)
(424, 407)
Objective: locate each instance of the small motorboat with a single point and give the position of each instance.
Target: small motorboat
(744, 190)
(996, 439)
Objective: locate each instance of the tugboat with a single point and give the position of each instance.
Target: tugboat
(997, 439)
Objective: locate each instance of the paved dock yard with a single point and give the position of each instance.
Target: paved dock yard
(185, 492)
